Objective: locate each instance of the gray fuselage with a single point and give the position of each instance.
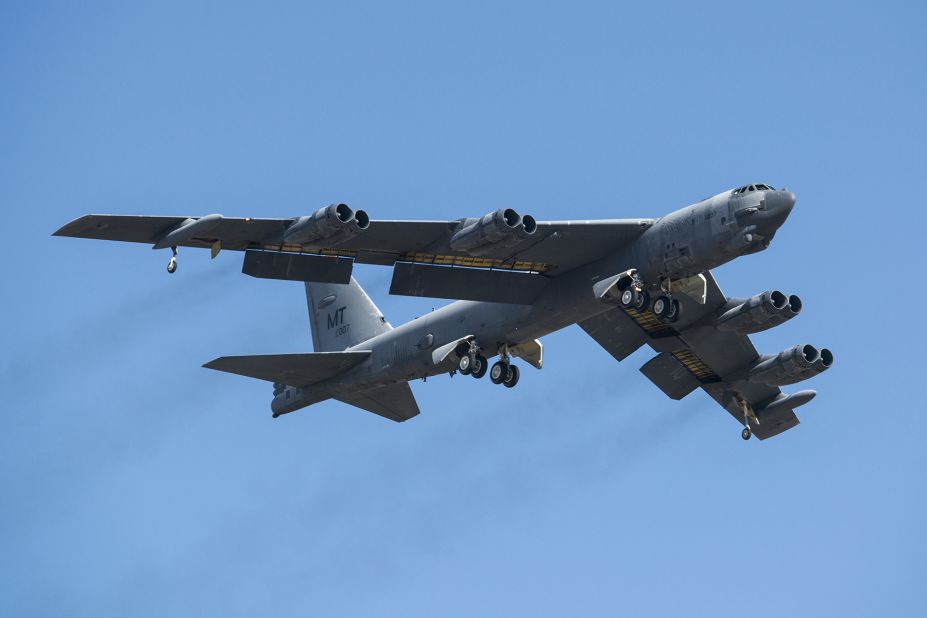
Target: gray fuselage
(681, 244)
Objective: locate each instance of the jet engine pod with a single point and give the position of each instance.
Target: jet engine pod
(793, 365)
(497, 230)
(759, 313)
(328, 226)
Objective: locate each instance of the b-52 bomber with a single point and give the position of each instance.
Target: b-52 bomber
(626, 282)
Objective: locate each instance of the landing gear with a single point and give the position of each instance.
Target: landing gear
(511, 378)
(465, 365)
(498, 372)
(748, 416)
(641, 301)
(172, 265)
(478, 366)
(503, 371)
(666, 308)
(661, 306)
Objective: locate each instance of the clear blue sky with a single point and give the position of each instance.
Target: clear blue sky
(136, 483)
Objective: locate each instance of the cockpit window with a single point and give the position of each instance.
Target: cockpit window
(756, 187)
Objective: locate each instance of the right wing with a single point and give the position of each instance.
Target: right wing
(555, 247)
(693, 354)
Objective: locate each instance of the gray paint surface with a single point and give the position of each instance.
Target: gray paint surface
(362, 360)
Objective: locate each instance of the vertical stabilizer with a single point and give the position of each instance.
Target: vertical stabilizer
(342, 315)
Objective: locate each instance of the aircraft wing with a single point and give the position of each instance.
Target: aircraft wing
(555, 246)
(693, 354)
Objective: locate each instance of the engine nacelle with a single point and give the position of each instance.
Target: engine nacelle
(327, 227)
(793, 365)
(759, 313)
(497, 230)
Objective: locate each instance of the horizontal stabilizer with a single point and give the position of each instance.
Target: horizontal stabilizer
(290, 369)
(297, 266)
(393, 401)
(492, 286)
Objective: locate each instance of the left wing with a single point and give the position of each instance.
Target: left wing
(693, 353)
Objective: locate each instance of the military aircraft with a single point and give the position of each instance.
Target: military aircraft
(626, 282)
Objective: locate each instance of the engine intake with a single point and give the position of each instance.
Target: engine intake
(759, 313)
(327, 227)
(501, 229)
(793, 365)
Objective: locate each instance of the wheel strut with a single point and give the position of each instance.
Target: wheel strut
(172, 265)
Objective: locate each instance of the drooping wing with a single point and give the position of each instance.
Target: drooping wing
(692, 353)
(235, 232)
(556, 246)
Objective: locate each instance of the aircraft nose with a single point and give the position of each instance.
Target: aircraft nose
(779, 205)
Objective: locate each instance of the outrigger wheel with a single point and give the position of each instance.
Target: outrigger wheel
(172, 265)
(746, 433)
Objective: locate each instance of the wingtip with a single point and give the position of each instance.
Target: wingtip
(64, 229)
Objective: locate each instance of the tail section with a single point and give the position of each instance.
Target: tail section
(342, 315)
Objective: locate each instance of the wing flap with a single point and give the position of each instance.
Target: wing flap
(495, 286)
(615, 331)
(297, 266)
(670, 376)
(290, 369)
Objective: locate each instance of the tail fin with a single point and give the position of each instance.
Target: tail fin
(342, 315)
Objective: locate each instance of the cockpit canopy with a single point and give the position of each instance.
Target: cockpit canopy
(754, 187)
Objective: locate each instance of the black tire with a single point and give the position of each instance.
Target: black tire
(172, 266)
(662, 306)
(498, 372)
(626, 299)
(480, 365)
(642, 301)
(465, 364)
(674, 312)
(511, 379)
(746, 433)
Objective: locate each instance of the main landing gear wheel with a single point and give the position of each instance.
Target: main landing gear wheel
(746, 433)
(465, 364)
(641, 301)
(627, 298)
(478, 366)
(672, 314)
(498, 372)
(511, 378)
(661, 306)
